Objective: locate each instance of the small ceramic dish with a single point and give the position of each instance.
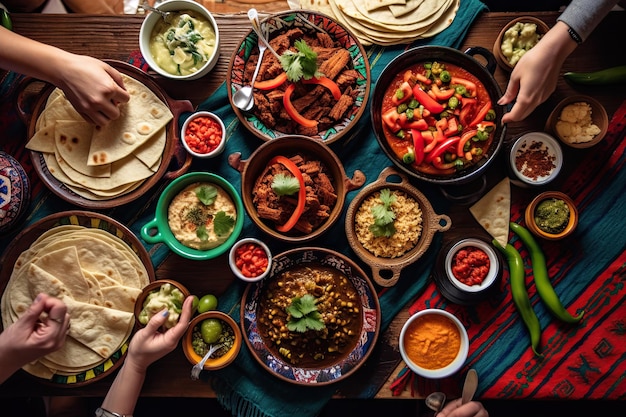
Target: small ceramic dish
(503, 60)
(482, 248)
(153, 287)
(203, 135)
(177, 7)
(14, 193)
(158, 229)
(535, 160)
(423, 354)
(230, 338)
(531, 215)
(595, 129)
(250, 259)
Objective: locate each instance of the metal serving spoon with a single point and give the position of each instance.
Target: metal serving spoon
(197, 368)
(437, 400)
(244, 97)
(167, 16)
(253, 16)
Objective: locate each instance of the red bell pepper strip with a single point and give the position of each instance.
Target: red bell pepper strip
(422, 78)
(291, 110)
(453, 127)
(442, 95)
(464, 138)
(391, 117)
(404, 91)
(415, 124)
(469, 85)
(444, 166)
(326, 82)
(480, 116)
(442, 147)
(427, 101)
(418, 145)
(271, 84)
(295, 171)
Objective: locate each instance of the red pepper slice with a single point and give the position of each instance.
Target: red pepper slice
(427, 101)
(444, 166)
(291, 110)
(453, 127)
(469, 85)
(391, 117)
(480, 116)
(271, 84)
(442, 147)
(295, 171)
(420, 124)
(418, 145)
(442, 95)
(464, 138)
(326, 82)
(407, 94)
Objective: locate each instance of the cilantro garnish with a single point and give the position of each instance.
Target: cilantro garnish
(304, 314)
(222, 223)
(202, 234)
(285, 184)
(384, 215)
(301, 64)
(207, 194)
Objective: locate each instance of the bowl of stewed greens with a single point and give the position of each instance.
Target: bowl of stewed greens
(182, 42)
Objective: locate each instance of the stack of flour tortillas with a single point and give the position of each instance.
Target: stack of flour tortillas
(103, 163)
(493, 211)
(99, 278)
(387, 22)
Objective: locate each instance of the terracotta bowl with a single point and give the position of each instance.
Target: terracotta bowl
(542, 29)
(289, 146)
(386, 271)
(599, 117)
(529, 216)
(226, 357)
(155, 286)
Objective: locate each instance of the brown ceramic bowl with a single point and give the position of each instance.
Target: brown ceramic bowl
(542, 29)
(289, 146)
(431, 223)
(530, 216)
(599, 117)
(226, 354)
(155, 286)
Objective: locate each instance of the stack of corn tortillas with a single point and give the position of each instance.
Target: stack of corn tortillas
(103, 163)
(99, 278)
(387, 22)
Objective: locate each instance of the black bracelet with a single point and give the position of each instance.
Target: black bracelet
(574, 35)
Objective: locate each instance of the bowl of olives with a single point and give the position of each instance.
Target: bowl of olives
(211, 329)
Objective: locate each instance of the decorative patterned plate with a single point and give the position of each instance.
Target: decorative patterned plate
(14, 192)
(305, 19)
(344, 366)
(91, 220)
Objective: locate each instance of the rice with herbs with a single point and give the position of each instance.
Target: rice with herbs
(408, 225)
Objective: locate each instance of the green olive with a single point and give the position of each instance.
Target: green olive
(211, 329)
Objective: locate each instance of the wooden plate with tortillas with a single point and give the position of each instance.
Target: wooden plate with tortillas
(100, 168)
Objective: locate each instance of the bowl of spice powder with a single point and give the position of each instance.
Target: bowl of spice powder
(535, 159)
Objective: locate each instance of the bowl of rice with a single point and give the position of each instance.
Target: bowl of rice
(390, 224)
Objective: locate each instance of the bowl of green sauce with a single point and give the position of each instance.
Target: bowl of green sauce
(552, 215)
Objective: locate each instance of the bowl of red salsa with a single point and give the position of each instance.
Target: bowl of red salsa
(203, 135)
(250, 259)
(435, 113)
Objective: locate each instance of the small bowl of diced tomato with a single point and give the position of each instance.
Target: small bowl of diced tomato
(471, 265)
(250, 259)
(203, 135)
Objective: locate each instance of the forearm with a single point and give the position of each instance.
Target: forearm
(8, 364)
(585, 15)
(124, 392)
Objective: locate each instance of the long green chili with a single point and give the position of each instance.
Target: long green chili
(520, 295)
(542, 280)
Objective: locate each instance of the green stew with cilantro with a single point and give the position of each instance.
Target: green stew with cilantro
(438, 118)
(310, 315)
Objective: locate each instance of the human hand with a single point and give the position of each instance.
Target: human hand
(456, 409)
(149, 344)
(93, 87)
(39, 331)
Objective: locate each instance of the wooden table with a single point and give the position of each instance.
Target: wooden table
(115, 37)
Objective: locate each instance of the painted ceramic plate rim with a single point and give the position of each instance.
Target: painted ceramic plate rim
(311, 376)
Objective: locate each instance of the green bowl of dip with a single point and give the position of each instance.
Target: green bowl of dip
(199, 216)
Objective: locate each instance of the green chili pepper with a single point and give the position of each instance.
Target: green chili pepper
(613, 75)
(542, 280)
(520, 295)
(6, 20)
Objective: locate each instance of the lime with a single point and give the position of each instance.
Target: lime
(211, 329)
(194, 305)
(207, 303)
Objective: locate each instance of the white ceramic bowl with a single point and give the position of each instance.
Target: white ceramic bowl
(453, 366)
(214, 152)
(235, 268)
(175, 6)
(494, 263)
(544, 142)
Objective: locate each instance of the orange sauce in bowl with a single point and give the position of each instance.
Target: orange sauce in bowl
(432, 341)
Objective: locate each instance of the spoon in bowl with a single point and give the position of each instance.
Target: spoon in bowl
(253, 16)
(167, 16)
(243, 98)
(197, 368)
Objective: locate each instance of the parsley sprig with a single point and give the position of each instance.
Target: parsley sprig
(301, 64)
(384, 215)
(285, 184)
(304, 314)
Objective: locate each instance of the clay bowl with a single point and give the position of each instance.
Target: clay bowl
(599, 117)
(152, 287)
(542, 29)
(385, 270)
(288, 146)
(529, 216)
(226, 357)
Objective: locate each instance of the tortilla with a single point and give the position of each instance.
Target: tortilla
(493, 211)
(72, 139)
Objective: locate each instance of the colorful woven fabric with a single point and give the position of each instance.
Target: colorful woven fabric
(584, 361)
